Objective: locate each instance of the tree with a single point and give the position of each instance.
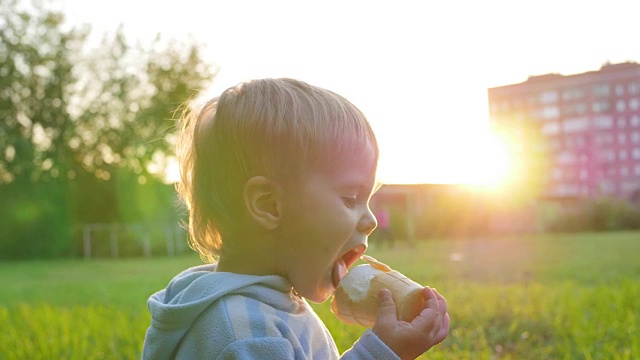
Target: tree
(35, 75)
(83, 129)
(127, 127)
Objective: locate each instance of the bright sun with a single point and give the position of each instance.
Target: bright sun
(484, 160)
(493, 165)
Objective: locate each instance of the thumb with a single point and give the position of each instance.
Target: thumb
(386, 307)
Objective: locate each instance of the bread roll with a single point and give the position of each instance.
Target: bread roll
(355, 301)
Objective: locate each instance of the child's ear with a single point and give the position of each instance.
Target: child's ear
(262, 202)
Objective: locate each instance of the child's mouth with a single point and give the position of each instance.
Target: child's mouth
(340, 268)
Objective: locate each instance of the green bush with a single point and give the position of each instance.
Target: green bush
(602, 214)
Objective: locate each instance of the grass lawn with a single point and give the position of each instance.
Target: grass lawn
(573, 296)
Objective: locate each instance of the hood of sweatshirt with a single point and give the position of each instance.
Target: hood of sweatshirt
(175, 308)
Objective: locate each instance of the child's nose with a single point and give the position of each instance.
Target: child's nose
(367, 223)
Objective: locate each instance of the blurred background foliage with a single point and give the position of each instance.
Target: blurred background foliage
(86, 131)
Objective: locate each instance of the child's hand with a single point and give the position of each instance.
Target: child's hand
(410, 340)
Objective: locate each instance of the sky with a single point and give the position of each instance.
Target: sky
(419, 70)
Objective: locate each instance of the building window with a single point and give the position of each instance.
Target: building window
(634, 104)
(636, 153)
(601, 106)
(576, 141)
(572, 94)
(622, 155)
(601, 90)
(583, 158)
(607, 187)
(549, 97)
(551, 128)
(566, 157)
(574, 109)
(622, 139)
(620, 105)
(635, 137)
(637, 170)
(634, 87)
(550, 112)
(624, 171)
(603, 122)
(606, 155)
(604, 139)
(619, 90)
(635, 121)
(575, 124)
(584, 175)
(567, 189)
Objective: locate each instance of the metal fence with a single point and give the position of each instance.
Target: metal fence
(147, 238)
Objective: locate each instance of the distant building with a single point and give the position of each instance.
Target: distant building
(589, 124)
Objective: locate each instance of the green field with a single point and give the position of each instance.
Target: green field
(535, 297)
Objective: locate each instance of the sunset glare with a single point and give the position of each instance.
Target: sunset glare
(418, 70)
(490, 164)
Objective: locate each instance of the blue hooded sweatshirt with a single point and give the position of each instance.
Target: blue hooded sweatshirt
(204, 314)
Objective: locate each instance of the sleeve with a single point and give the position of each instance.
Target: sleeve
(258, 348)
(369, 347)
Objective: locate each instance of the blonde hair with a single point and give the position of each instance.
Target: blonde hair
(271, 127)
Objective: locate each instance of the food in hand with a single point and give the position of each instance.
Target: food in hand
(355, 301)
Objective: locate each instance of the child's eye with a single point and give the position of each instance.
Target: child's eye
(350, 200)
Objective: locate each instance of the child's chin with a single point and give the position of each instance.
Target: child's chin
(319, 297)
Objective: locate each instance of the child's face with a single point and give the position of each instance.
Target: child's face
(326, 222)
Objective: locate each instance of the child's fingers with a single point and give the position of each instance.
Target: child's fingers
(431, 298)
(387, 312)
(437, 294)
(446, 322)
(444, 330)
(434, 317)
(429, 315)
(442, 302)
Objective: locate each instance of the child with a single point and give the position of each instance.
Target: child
(277, 176)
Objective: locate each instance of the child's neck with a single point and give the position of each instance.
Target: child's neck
(250, 260)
